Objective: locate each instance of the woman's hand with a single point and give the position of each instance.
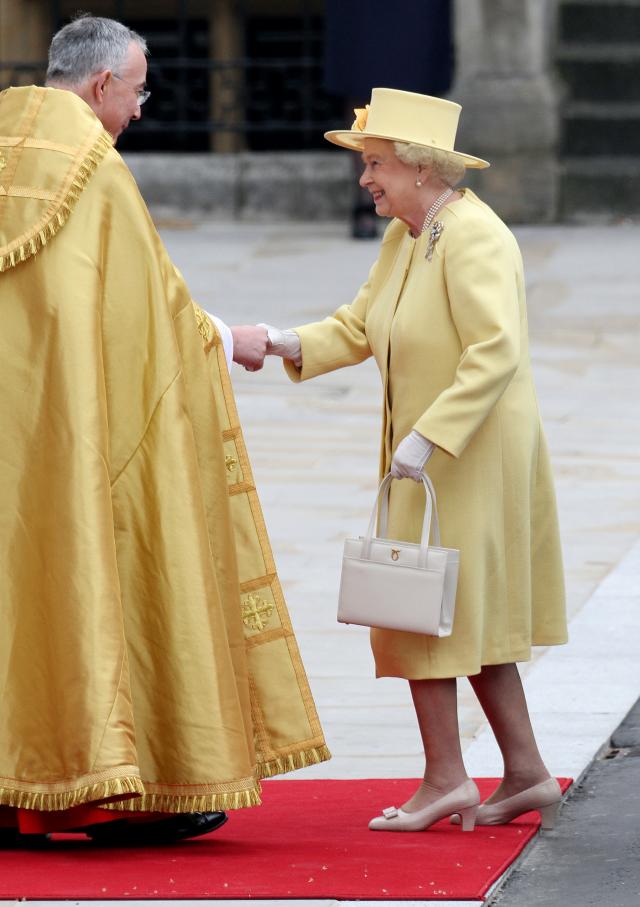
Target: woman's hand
(283, 343)
(411, 456)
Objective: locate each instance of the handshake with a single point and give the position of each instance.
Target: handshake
(251, 343)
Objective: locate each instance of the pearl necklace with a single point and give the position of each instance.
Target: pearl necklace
(435, 228)
(435, 207)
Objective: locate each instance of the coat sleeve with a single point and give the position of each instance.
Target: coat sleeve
(481, 271)
(336, 342)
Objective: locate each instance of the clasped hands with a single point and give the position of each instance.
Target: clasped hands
(252, 342)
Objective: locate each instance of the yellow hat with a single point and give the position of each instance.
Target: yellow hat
(403, 116)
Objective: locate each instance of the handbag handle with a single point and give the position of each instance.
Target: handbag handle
(430, 514)
(430, 518)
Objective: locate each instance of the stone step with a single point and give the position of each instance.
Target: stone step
(598, 52)
(598, 20)
(605, 73)
(590, 129)
(604, 188)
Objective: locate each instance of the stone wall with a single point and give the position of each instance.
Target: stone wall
(505, 82)
(300, 185)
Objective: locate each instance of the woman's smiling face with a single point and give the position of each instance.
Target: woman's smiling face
(391, 182)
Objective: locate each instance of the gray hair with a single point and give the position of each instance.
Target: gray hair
(447, 167)
(87, 45)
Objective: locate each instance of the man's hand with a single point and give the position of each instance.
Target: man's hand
(411, 457)
(249, 346)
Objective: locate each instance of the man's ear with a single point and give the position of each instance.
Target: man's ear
(100, 82)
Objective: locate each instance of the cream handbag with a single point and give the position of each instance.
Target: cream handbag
(399, 585)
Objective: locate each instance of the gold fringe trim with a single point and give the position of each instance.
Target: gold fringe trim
(131, 790)
(60, 216)
(170, 803)
(55, 802)
(283, 764)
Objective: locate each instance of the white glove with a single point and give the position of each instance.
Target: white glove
(411, 456)
(283, 343)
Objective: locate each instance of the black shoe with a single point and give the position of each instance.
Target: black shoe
(122, 833)
(12, 839)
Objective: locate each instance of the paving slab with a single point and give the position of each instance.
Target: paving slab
(590, 859)
(579, 693)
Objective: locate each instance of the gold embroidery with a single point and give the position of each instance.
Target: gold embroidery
(257, 583)
(204, 325)
(240, 488)
(3, 162)
(256, 612)
(230, 463)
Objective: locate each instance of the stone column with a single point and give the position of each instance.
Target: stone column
(504, 81)
(24, 38)
(226, 44)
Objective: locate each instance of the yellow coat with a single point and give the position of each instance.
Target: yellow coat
(450, 339)
(146, 652)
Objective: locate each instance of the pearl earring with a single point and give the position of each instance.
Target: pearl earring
(418, 182)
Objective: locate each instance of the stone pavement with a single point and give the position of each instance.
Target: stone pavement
(590, 859)
(315, 451)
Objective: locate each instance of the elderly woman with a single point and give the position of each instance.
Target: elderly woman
(443, 312)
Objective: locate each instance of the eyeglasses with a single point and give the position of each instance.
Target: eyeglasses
(142, 93)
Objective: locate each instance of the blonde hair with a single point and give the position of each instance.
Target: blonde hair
(444, 165)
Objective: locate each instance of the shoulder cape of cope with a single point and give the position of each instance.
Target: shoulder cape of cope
(50, 144)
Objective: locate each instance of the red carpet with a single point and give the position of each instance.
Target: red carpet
(308, 840)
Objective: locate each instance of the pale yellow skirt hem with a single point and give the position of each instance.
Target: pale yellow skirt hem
(519, 657)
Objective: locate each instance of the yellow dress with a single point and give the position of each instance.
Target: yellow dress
(449, 336)
(146, 653)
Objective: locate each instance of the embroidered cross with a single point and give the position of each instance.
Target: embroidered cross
(256, 612)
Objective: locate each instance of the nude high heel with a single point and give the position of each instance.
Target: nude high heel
(464, 800)
(469, 817)
(544, 798)
(548, 815)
